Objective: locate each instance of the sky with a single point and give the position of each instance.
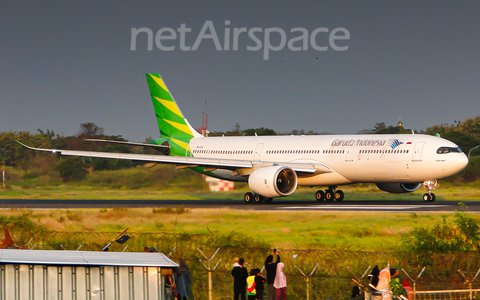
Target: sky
(63, 63)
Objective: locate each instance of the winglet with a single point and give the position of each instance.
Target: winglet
(39, 149)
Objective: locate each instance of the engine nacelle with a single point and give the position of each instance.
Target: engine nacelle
(276, 181)
(399, 188)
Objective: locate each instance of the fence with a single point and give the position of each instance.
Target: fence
(332, 278)
(447, 294)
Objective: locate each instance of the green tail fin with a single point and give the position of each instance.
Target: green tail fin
(171, 123)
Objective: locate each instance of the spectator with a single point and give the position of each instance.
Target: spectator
(251, 285)
(259, 285)
(374, 277)
(356, 294)
(235, 262)
(240, 275)
(271, 269)
(408, 288)
(280, 283)
(168, 287)
(182, 281)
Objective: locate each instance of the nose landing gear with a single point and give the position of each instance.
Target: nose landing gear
(430, 185)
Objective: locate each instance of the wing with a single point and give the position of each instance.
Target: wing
(182, 161)
(126, 143)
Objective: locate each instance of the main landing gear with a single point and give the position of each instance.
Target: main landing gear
(330, 194)
(258, 199)
(430, 185)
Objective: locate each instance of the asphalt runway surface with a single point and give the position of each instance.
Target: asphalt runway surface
(278, 205)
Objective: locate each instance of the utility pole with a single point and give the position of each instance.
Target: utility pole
(210, 270)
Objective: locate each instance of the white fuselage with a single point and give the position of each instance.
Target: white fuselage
(351, 158)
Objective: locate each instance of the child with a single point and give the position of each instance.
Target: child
(251, 285)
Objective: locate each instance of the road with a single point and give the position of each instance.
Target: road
(277, 205)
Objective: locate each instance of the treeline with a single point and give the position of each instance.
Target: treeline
(50, 169)
(40, 165)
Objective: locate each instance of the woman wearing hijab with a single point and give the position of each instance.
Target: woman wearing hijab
(280, 283)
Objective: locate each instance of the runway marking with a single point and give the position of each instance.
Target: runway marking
(362, 207)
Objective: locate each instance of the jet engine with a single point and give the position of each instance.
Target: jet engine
(399, 188)
(276, 181)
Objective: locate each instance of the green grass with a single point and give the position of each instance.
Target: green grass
(164, 182)
(354, 192)
(286, 229)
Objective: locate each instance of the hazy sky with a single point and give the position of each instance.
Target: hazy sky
(63, 63)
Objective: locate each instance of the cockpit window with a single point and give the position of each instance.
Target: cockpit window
(443, 150)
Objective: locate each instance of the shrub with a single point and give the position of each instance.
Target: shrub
(463, 235)
(71, 169)
(180, 210)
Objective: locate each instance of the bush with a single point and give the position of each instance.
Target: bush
(71, 169)
(463, 235)
(22, 222)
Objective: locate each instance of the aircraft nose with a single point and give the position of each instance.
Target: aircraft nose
(463, 161)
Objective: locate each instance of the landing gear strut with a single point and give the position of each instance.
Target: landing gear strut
(330, 194)
(430, 185)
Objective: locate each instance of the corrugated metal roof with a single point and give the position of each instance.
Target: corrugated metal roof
(84, 258)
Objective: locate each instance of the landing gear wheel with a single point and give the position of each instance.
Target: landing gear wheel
(268, 200)
(258, 198)
(320, 195)
(339, 195)
(427, 197)
(248, 198)
(433, 197)
(329, 195)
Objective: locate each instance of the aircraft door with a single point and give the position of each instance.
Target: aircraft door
(258, 152)
(417, 152)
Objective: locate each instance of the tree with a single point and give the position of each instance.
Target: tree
(379, 126)
(90, 130)
(71, 169)
(259, 131)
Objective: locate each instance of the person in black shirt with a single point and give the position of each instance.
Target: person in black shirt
(240, 275)
(259, 285)
(271, 268)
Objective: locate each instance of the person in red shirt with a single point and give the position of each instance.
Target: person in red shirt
(408, 288)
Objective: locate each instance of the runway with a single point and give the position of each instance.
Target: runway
(278, 205)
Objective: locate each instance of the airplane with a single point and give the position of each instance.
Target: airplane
(274, 166)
